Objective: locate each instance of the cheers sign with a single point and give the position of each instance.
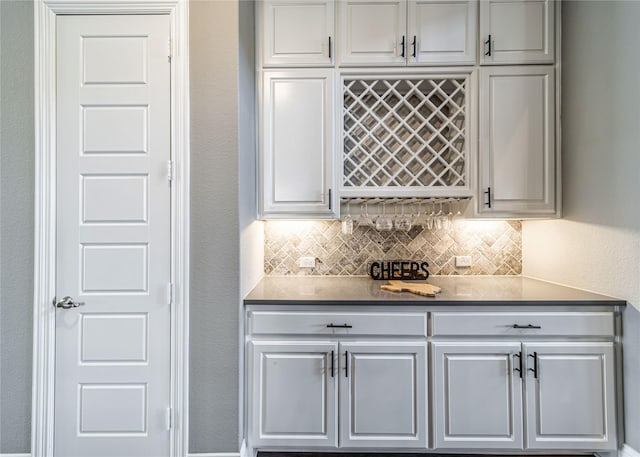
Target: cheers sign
(398, 269)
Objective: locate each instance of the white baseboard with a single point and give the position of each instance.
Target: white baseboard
(15, 455)
(210, 454)
(628, 451)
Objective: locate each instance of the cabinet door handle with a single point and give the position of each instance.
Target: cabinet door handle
(330, 202)
(332, 367)
(519, 369)
(329, 48)
(488, 194)
(339, 326)
(535, 365)
(415, 45)
(488, 43)
(346, 364)
(402, 45)
(528, 326)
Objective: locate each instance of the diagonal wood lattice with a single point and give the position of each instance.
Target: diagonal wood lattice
(404, 133)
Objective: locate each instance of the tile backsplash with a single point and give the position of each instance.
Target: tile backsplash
(494, 246)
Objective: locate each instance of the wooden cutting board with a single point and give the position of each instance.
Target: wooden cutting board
(424, 289)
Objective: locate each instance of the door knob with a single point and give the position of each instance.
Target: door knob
(67, 303)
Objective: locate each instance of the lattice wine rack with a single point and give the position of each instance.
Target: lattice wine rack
(405, 136)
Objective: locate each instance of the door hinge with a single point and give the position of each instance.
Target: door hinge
(170, 169)
(170, 293)
(169, 49)
(169, 418)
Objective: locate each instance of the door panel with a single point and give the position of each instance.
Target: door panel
(113, 236)
(444, 31)
(382, 395)
(297, 32)
(478, 395)
(517, 142)
(371, 32)
(293, 394)
(297, 144)
(521, 31)
(570, 401)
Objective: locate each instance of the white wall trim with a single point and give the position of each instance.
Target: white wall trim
(15, 455)
(628, 451)
(45, 11)
(213, 454)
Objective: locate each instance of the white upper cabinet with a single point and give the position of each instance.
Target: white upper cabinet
(372, 32)
(297, 32)
(517, 31)
(401, 32)
(517, 142)
(442, 32)
(570, 396)
(297, 144)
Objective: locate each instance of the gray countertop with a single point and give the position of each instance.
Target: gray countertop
(456, 290)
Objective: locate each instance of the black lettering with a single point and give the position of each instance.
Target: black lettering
(386, 270)
(374, 270)
(395, 269)
(404, 269)
(423, 267)
(415, 267)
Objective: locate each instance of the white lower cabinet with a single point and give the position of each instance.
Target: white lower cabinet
(293, 394)
(569, 402)
(570, 396)
(364, 380)
(383, 395)
(477, 395)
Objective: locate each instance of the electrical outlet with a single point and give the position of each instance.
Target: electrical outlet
(463, 261)
(307, 262)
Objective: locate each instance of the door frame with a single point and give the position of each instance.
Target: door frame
(43, 380)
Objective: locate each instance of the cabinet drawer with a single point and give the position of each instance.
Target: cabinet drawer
(319, 323)
(506, 324)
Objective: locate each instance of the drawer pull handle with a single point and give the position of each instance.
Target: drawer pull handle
(339, 326)
(535, 365)
(332, 367)
(525, 326)
(346, 364)
(519, 369)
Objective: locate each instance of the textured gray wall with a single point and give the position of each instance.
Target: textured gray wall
(597, 244)
(16, 223)
(214, 227)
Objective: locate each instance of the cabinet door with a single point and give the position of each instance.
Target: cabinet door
(570, 396)
(477, 395)
(296, 32)
(517, 141)
(383, 400)
(442, 32)
(293, 394)
(297, 144)
(517, 31)
(372, 32)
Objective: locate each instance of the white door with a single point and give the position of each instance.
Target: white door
(372, 32)
(112, 384)
(297, 32)
(517, 141)
(477, 395)
(570, 396)
(297, 144)
(383, 400)
(517, 31)
(442, 32)
(293, 394)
